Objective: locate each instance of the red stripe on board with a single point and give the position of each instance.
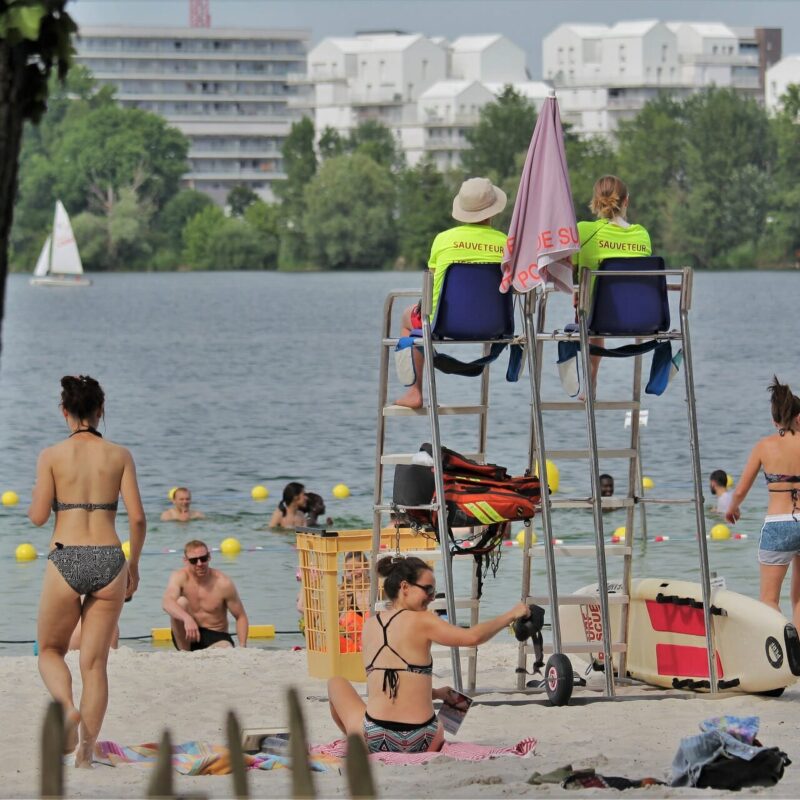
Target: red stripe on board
(687, 662)
(676, 619)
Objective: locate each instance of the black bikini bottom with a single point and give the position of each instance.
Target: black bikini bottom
(87, 568)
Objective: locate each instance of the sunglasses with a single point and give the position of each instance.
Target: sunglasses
(428, 588)
(200, 559)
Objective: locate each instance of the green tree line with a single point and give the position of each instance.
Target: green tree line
(713, 177)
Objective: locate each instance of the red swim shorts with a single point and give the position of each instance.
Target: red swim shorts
(416, 317)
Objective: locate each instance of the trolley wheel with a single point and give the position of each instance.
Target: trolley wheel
(772, 692)
(558, 679)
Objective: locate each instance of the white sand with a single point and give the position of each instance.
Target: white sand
(635, 736)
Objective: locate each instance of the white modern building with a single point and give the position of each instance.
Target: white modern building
(779, 77)
(606, 73)
(427, 91)
(227, 90)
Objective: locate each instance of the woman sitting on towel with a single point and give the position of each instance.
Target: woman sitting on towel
(81, 479)
(778, 456)
(398, 715)
(609, 236)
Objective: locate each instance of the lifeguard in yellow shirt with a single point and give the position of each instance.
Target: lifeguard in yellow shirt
(474, 242)
(609, 236)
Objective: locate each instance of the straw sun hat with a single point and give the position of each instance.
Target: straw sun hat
(477, 200)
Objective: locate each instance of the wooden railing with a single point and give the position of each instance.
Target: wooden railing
(357, 767)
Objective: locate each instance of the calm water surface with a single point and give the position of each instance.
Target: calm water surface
(220, 381)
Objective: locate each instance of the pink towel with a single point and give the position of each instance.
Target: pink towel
(460, 751)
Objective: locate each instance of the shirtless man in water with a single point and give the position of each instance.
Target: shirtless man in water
(181, 500)
(198, 599)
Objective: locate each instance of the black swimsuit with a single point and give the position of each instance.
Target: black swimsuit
(794, 491)
(87, 568)
(390, 674)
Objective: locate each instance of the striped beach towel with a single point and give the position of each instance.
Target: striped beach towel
(460, 751)
(199, 758)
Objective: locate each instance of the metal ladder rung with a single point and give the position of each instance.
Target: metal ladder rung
(585, 502)
(582, 550)
(627, 452)
(392, 507)
(405, 458)
(582, 647)
(599, 405)
(402, 411)
(578, 599)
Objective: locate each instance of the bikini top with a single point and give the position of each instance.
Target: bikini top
(777, 477)
(390, 674)
(58, 506)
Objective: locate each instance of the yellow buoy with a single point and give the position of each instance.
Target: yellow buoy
(553, 475)
(730, 482)
(9, 498)
(340, 491)
(720, 532)
(25, 552)
(619, 534)
(259, 492)
(171, 493)
(521, 538)
(230, 546)
(126, 548)
(648, 483)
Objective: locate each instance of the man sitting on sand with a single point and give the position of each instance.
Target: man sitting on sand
(198, 599)
(181, 511)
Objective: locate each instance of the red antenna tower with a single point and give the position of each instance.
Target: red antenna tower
(199, 14)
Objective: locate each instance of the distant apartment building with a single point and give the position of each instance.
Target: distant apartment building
(606, 73)
(779, 78)
(427, 91)
(228, 90)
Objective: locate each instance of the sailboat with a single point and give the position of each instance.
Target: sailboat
(59, 263)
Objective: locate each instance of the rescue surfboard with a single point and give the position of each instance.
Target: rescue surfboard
(757, 648)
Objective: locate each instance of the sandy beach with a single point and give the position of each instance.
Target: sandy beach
(634, 736)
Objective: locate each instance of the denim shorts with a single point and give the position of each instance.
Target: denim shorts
(780, 540)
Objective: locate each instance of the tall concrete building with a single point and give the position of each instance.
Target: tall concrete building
(228, 90)
(427, 91)
(606, 73)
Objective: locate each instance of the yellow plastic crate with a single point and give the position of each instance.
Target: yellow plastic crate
(336, 598)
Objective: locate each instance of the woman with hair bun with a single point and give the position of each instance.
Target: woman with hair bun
(81, 479)
(398, 715)
(609, 236)
(778, 455)
(290, 512)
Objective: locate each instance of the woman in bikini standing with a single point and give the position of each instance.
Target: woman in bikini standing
(398, 715)
(779, 457)
(81, 479)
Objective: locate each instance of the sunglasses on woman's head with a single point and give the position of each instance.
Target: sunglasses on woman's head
(200, 559)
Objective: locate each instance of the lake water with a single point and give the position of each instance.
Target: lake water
(220, 381)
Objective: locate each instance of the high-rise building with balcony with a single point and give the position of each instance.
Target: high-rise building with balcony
(227, 90)
(604, 74)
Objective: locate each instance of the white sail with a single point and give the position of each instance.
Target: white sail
(43, 260)
(66, 260)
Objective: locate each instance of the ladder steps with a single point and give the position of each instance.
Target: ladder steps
(402, 411)
(602, 452)
(599, 405)
(587, 502)
(405, 458)
(582, 550)
(578, 599)
(581, 647)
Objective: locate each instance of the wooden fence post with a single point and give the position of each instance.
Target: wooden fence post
(238, 769)
(53, 736)
(359, 772)
(302, 781)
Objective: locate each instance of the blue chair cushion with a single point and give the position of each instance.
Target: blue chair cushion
(471, 305)
(635, 305)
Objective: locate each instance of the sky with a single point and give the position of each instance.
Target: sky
(525, 22)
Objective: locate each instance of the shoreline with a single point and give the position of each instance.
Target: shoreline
(635, 735)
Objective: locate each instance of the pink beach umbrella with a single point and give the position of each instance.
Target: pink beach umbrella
(543, 234)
